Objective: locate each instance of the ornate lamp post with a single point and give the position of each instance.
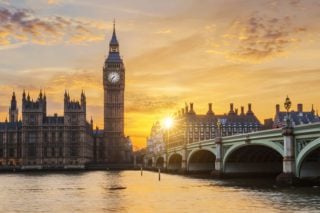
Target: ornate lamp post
(288, 176)
(218, 128)
(287, 106)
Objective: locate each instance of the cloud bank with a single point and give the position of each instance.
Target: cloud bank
(261, 37)
(22, 25)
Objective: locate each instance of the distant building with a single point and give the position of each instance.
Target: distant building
(190, 127)
(297, 117)
(40, 141)
(155, 142)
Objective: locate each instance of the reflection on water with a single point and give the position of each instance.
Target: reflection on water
(94, 192)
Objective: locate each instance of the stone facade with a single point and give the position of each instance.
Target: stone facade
(39, 141)
(190, 127)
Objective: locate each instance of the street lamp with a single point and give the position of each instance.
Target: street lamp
(287, 106)
(219, 128)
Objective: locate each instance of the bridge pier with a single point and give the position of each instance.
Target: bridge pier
(218, 164)
(165, 162)
(183, 169)
(154, 163)
(288, 176)
(145, 162)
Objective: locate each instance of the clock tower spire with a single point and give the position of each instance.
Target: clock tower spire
(114, 85)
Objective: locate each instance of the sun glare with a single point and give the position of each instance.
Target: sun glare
(168, 123)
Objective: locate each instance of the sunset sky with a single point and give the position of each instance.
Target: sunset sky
(175, 51)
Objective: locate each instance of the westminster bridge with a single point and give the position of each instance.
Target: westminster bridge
(291, 152)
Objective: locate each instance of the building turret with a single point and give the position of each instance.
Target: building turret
(40, 95)
(44, 96)
(13, 110)
(23, 96)
(83, 101)
(91, 123)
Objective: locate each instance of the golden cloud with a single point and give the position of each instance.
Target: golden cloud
(21, 25)
(259, 37)
(53, 1)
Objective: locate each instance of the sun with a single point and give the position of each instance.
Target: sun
(168, 123)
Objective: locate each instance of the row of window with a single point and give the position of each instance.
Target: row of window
(10, 137)
(53, 152)
(11, 153)
(32, 137)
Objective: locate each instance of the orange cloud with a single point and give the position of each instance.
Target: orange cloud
(259, 37)
(53, 1)
(21, 25)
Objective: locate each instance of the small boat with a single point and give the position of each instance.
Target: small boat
(117, 187)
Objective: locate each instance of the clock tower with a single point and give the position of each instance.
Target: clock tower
(114, 85)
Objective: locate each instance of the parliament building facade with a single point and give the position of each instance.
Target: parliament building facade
(39, 141)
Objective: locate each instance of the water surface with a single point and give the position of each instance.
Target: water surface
(95, 192)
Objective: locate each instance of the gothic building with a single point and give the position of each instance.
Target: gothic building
(191, 127)
(111, 144)
(54, 142)
(39, 141)
(155, 142)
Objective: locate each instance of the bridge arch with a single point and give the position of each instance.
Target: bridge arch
(254, 158)
(160, 162)
(174, 162)
(308, 160)
(201, 160)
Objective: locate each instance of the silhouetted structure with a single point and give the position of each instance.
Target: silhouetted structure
(111, 144)
(40, 141)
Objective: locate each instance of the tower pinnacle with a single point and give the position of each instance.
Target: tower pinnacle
(114, 41)
(114, 55)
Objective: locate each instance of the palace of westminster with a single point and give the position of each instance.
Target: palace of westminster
(40, 141)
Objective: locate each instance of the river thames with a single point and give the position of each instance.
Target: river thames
(127, 191)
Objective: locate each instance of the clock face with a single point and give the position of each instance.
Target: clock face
(113, 77)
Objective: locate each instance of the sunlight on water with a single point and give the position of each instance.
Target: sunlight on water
(129, 192)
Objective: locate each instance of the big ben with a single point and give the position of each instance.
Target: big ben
(114, 86)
